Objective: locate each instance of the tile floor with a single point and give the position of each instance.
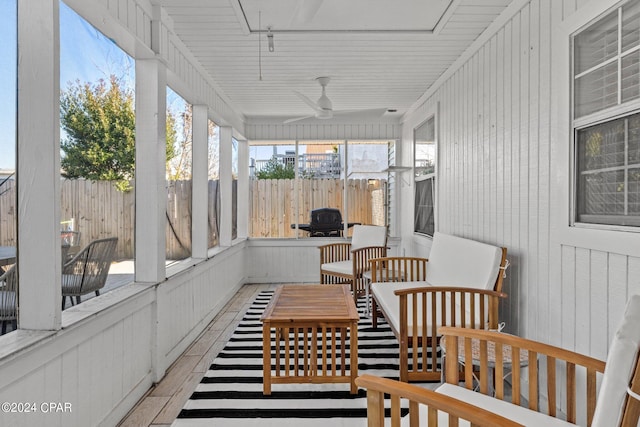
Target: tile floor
(163, 402)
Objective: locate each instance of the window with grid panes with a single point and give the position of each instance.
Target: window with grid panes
(424, 168)
(606, 119)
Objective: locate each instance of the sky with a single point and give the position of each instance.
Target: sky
(7, 83)
(85, 55)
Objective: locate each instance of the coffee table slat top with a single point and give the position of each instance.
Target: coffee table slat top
(313, 302)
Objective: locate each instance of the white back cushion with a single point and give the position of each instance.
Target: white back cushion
(455, 261)
(368, 235)
(619, 369)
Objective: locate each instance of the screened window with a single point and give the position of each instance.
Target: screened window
(8, 198)
(606, 86)
(290, 180)
(234, 188)
(178, 177)
(97, 152)
(214, 184)
(366, 166)
(425, 177)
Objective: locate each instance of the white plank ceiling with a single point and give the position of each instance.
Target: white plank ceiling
(376, 52)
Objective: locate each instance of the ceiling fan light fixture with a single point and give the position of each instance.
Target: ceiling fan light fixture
(324, 102)
(324, 114)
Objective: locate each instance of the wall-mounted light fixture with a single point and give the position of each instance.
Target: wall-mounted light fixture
(270, 39)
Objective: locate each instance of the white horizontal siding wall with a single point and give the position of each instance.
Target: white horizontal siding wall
(191, 300)
(94, 365)
(497, 180)
(103, 363)
(332, 131)
(289, 260)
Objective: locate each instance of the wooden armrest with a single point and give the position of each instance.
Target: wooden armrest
(334, 252)
(449, 289)
(377, 387)
(555, 359)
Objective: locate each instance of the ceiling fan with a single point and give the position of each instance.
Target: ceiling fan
(324, 108)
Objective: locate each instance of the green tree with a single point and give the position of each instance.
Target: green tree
(99, 123)
(274, 169)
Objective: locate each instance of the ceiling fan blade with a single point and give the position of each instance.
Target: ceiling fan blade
(371, 112)
(304, 11)
(297, 119)
(308, 101)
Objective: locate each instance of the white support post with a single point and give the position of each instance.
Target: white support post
(226, 208)
(296, 191)
(345, 191)
(38, 165)
(151, 193)
(199, 182)
(243, 189)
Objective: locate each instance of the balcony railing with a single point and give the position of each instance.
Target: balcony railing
(311, 165)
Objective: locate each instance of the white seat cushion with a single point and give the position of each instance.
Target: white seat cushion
(619, 368)
(368, 235)
(519, 414)
(340, 267)
(390, 304)
(454, 261)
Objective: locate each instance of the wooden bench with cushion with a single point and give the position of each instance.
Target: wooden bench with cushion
(461, 276)
(562, 386)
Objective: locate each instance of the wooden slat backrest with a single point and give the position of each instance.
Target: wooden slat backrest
(555, 358)
(428, 308)
(398, 269)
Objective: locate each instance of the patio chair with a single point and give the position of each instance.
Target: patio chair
(346, 262)
(561, 385)
(87, 271)
(9, 298)
(459, 285)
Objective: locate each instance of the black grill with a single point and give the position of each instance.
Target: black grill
(324, 222)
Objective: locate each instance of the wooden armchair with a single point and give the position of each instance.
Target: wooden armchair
(561, 385)
(87, 271)
(459, 285)
(346, 262)
(438, 409)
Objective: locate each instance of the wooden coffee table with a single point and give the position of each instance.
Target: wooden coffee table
(310, 325)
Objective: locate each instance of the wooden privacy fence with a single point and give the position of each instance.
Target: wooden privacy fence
(273, 207)
(99, 210)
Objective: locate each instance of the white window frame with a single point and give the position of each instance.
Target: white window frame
(431, 176)
(610, 114)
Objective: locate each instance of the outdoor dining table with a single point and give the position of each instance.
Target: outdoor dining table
(7, 255)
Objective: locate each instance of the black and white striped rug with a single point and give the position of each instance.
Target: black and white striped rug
(230, 394)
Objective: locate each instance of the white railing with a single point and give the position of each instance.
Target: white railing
(312, 165)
